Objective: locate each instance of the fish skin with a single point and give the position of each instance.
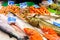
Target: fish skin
(10, 35)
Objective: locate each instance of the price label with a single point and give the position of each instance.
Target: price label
(23, 5)
(10, 2)
(50, 1)
(36, 6)
(57, 24)
(11, 19)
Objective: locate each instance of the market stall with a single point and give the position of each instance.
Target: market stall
(30, 21)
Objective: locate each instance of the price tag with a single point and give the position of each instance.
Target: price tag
(57, 24)
(11, 19)
(50, 1)
(23, 5)
(10, 2)
(36, 6)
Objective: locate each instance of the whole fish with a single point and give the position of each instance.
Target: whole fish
(57, 29)
(11, 28)
(46, 17)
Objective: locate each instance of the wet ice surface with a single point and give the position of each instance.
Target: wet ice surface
(4, 36)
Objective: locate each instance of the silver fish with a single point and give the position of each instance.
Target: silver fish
(5, 26)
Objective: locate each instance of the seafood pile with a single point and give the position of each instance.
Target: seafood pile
(29, 23)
